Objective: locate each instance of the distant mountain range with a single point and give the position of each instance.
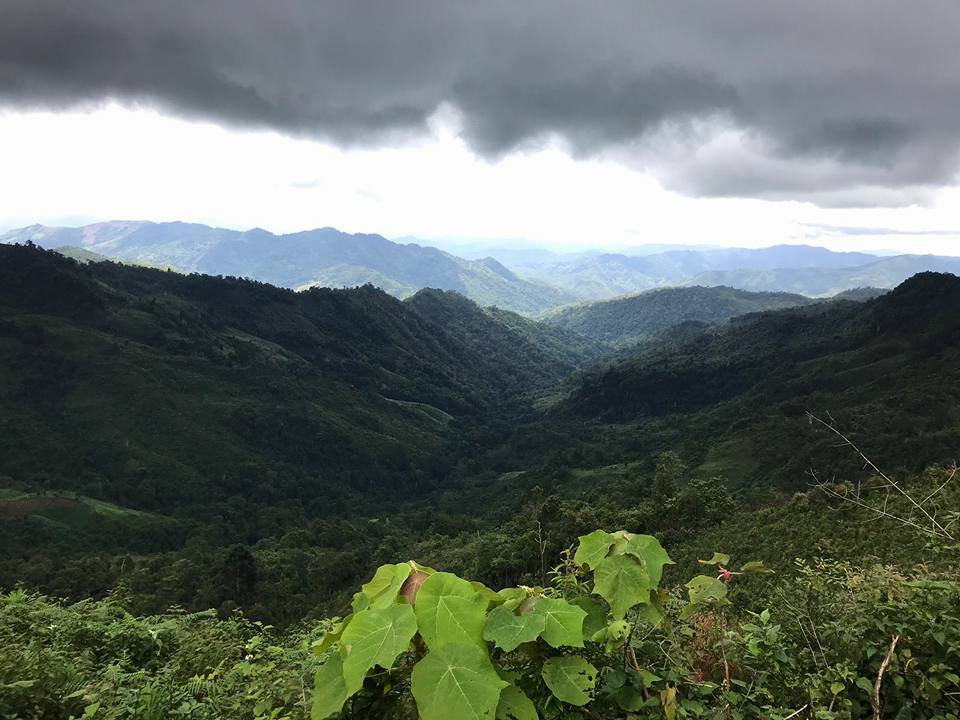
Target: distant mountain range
(811, 271)
(826, 281)
(324, 257)
(527, 280)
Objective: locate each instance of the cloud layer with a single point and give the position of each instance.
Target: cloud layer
(852, 103)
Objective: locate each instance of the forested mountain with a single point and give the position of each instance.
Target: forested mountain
(530, 281)
(169, 415)
(734, 396)
(172, 397)
(171, 439)
(325, 257)
(627, 321)
(483, 329)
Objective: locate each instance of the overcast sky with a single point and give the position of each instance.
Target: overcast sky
(613, 123)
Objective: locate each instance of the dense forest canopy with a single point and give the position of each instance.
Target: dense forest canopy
(183, 441)
(630, 320)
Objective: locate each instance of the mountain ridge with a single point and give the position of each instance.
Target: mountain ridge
(884, 273)
(626, 321)
(802, 269)
(527, 280)
(323, 256)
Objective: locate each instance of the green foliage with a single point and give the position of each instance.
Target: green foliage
(215, 443)
(623, 582)
(450, 611)
(717, 558)
(627, 321)
(375, 637)
(514, 705)
(329, 689)
(94, 660)
(593, 548)
(456, 681)
(697, 658)
(152, 421)
(381, 591)
(819, 643)
(507, 629)
(440, 645)
(570, 679)
(562, 622)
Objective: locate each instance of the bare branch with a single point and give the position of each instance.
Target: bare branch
(953, 473)
(795, 713)
(935, 532)
(875, 700)
(936, 529)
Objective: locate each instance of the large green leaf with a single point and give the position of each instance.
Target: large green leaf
(456, 682)
(563, 622)
(570, 678)
(514, 705)
(450, 611)
(491, 598)
(361, 601)
(511, 597)
(375, 637)
(593, 548)
(651, 553)
(623, 581)
(329, 689)
(319, 647)
(596, 619)
(704, 590)
(386, 583)
(652, 611)
(718, 558)
(620, 540)
(507, 630)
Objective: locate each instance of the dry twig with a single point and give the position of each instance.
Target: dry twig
(935, 529)
(875, 700)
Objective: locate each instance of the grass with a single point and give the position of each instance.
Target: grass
(733, 459)
(65, 505)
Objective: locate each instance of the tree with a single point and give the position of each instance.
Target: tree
(667, 476)
(239, 575)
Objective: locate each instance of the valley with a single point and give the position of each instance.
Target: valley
(231, 449)
(212, 412)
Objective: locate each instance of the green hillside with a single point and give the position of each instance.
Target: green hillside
(627, 321)
(734, 399)
(231, 409)
(198, 442)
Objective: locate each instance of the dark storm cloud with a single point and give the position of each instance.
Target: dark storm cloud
(855, 102)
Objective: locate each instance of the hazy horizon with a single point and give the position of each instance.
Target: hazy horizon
(474, 244)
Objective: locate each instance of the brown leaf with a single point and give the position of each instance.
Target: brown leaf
(411, 586)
